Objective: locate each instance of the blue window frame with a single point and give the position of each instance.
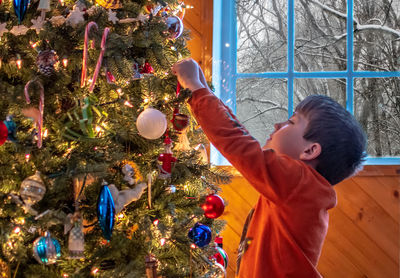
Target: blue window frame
(225, 72)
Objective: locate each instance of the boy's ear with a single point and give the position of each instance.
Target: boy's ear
(311, 152)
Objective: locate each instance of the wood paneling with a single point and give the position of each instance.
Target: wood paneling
(363, 237)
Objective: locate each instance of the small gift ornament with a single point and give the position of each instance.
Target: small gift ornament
(167, 159)
(76, 239)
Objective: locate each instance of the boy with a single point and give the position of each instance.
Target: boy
(319, 146)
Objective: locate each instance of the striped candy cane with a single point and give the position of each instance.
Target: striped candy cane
(85, 51)
(100, 59)
(41, 107)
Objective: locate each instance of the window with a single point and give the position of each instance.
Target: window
(270, 54)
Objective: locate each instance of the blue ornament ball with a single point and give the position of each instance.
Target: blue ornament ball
(200, 235)
(46, 249)
(106, 211)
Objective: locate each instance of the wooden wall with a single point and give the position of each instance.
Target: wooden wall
(363, 238)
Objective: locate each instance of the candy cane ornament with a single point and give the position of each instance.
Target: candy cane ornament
(100, 59)
(85, 51)
(41, 107)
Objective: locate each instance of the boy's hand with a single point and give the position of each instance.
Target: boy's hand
(187, 71)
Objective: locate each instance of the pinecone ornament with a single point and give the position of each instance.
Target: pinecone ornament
(45, 61)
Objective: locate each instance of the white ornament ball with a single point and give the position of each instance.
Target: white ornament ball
(151, 123)
(32, 189)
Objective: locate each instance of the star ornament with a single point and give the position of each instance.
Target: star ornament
(75, 17)
(19, 30)
(3, 29)
(37, 24)
(112, 16)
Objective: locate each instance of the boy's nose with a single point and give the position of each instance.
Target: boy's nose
(277, 126)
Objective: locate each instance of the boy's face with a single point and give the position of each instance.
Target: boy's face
(288, 137)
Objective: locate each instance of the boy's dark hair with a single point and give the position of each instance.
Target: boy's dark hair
(341, 137)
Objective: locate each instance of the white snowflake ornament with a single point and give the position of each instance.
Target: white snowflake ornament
(19, 30)
(3, 29)
(112, 16)
(57, 20)
(75, 17)
(37, 24)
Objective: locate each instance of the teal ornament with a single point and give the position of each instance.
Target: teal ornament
(20, 7)
(12, 128)
(200, 235)
(106, 211)
(46, 249)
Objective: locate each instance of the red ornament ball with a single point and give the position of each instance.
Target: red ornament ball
(3, 133)
(214, 206)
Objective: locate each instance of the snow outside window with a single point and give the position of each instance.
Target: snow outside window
(270, 54)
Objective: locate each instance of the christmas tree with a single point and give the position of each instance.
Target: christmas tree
(103, 171)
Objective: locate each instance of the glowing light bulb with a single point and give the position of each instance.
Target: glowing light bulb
(155, 222)
(16, 230)
(121, 215)
(27, 157)
(95, 270)
(193, 246)
(127, 103)
(119, 91)
(19, 62)
(146, 100)
(45, 133)
(166, 98)
(162, 241)
(65, 62)
(98, 129)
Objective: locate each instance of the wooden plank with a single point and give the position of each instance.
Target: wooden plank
(380, 170)
(366, 213)
(333, 264)
(354, 245)
(385, 191)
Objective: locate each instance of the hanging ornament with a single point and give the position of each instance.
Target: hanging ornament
(180, 123)
(39, 120)
(44, 6)
(136, 73)
(3, 133)
(221, 257)
(217, 271)
(214, 206)
(106, 211)
(46, 250)
(32, 189)
(146, 69)
(202, 153)
(110, 77)
(75, 17)
(76, 240)
(200, 235)
(151, 266)
(8, 130)
(12, 128)
(175, 26)
(167, 159)
(45, 62)
(20, 7)
(112, 16)
(131, 172)
(125, 197)
(110, 4)
(151, 124)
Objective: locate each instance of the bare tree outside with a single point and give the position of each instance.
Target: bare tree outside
(321, 46)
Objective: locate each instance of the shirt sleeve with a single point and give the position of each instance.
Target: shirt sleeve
(274, 176)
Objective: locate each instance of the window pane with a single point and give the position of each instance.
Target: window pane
(262, 35)
(320, 35)
(377, 107)
(334, 88)
(376, 39)
(260, 103)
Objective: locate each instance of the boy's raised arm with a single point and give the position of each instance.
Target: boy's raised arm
(264, 169)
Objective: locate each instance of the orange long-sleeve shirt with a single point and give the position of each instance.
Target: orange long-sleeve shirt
(288, 225)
